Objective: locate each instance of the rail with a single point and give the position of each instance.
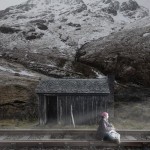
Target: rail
(69, 138)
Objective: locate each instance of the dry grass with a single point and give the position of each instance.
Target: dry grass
(133, 115)
(128, 124)
(15, 124)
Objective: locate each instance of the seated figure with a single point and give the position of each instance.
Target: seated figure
(106, 131)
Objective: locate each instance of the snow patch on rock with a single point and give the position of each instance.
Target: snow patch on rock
(10, 70)
(146, 34)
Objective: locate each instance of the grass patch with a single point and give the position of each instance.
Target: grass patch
(133, 115)
(14, 124)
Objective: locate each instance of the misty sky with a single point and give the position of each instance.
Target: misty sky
(6, 3)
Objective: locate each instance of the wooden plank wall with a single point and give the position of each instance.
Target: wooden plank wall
(42, 109)
(86, 109)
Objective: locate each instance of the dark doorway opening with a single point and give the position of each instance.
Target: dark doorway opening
(51, 109)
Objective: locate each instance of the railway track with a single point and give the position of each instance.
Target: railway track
(70, 138)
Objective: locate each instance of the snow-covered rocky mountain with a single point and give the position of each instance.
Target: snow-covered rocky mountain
(60, 27)
(44, 34)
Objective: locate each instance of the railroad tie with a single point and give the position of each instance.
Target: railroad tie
(13, 146)
(46, 137)
(2, 137)
(129, 137)
(148, 137)
(40, 145)
(26, 137)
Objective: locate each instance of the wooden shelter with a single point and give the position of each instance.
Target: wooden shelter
(63, 101)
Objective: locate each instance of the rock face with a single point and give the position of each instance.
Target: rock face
(126, 54)
(112, 8)
(50, 65)
(17, 91)
(17, 98)
(17, 85)
(131, 93)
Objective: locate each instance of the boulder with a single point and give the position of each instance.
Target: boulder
(130, 5)
(42, 26)
(73, 24)
(133, 5)
(80, 9)
(126, 54)
(112, 8)
(33, 35)
(18, 99)
(40, 23)
(116, 5)
(8, 30)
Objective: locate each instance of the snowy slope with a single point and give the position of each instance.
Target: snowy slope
(145, 3)
(138, 24)
(60, 27)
